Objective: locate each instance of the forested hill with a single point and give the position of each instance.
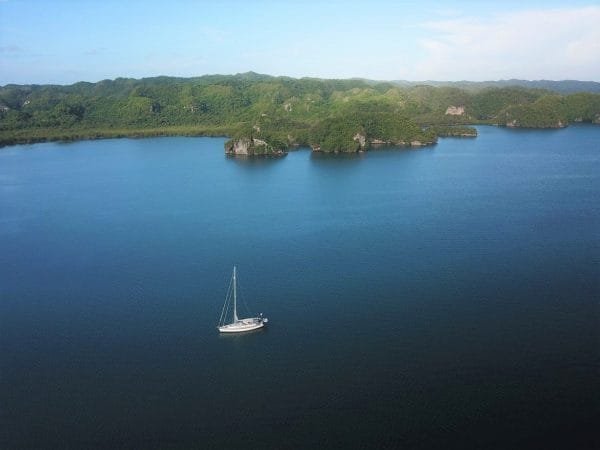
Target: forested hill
(560, 87)
(276, 112)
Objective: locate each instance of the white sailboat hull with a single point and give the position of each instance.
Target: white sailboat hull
(243, 325)
(237, 325)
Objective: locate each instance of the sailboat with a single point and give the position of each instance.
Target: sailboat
(237, 325)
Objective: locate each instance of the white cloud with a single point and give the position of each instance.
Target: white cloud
(534, 44)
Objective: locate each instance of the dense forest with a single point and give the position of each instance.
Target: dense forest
(271, 114)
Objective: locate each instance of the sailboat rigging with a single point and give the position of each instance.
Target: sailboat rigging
(237, 325)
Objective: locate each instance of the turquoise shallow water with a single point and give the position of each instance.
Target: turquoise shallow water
(441, 297)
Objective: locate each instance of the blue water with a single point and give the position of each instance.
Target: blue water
(445, 297)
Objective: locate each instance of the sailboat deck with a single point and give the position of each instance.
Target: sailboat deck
(242, 325)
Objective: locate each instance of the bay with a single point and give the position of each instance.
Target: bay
(446, 296)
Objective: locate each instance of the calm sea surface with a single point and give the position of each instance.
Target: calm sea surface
(446, 297)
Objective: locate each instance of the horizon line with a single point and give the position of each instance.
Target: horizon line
(250, 72)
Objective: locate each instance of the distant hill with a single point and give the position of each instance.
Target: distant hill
(266, 114)
(561, 87)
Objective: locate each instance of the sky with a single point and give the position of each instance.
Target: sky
(62, 42)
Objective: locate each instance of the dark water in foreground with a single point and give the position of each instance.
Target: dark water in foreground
(436, 298)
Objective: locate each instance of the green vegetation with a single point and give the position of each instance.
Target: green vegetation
(329, 115)
(453, 131)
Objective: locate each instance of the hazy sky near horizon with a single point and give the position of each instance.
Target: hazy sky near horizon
(64, 42)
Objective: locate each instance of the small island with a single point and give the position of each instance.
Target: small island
(251, 147)
(266, 116)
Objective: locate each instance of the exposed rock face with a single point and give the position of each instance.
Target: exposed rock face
(292, 141)
(361, 139)
(379, 142)
(251, 147)
(514, 123)
(455, 111)
(238, 147)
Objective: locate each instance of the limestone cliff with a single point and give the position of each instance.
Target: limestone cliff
(365, 143)
(248, 147)
(455, 110)
(516, 123)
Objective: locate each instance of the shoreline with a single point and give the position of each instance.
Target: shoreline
(51, 135)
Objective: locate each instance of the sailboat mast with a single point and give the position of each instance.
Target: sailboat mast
(235, 317)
